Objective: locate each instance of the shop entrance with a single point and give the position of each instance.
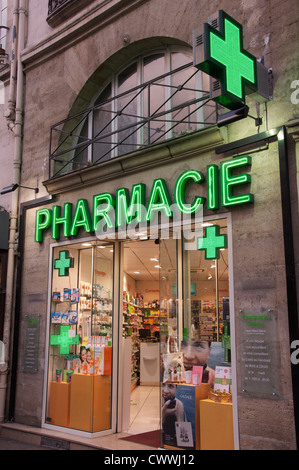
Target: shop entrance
(176, 338)
(141, 335)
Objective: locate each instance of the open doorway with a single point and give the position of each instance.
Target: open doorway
(141, 333)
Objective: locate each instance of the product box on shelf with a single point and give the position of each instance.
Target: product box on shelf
(56, 317)
(223, 378)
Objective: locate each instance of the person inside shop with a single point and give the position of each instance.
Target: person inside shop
(172, 411)
(197, 353)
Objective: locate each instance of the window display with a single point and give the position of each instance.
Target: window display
(80, 355)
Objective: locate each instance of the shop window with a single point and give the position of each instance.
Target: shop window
(80, 343)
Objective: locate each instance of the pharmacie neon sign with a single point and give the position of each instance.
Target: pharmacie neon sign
(128, 209)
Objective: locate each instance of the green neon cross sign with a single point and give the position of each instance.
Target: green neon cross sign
(63, 340)
(228, 51)
(212, 242)
(63, 263)
(226, 60)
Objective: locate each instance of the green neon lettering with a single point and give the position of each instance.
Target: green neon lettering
(102, 205)
(126, 214)
(213, 187)
(65, 221)
(43, 220)
(81, 218)
(159, 200)
(229, 182)
(180, 188)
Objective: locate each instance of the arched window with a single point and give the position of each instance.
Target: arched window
(157, 96)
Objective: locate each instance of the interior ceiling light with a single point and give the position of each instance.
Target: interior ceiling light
(86, 244)
(210, 276)
(154, 259)
(157, 266)
(206, 224)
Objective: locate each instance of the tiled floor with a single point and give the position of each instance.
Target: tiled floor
(144, 409)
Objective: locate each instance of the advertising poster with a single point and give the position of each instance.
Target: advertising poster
(178, 416)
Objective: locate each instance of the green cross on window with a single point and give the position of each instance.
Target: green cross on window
(64, 263)
(226, 48)
(212, 242)
(63, 340)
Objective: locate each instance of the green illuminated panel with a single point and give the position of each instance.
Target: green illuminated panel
(228, 52)
(63, 340)
(63, 263)
(212, 242)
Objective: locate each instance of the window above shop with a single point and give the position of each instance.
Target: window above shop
(60, 10)
(157, 97)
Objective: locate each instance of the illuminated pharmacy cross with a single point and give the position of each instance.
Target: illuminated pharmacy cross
(63, 340)
(212, 242)
(63, 263)
(228, 52)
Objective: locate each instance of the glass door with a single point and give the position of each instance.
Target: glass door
(80, 345)
(196, 350)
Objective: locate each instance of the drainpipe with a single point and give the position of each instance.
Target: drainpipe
(20, 7)
(10, 111)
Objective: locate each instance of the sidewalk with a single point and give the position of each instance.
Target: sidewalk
(10, 444)
(13, 435)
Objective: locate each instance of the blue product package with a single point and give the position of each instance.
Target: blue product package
(56, 317)
(73, 316)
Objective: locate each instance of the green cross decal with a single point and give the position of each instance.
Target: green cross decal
(64, 263)
(228, 51)
(212, 242)
(63, 340)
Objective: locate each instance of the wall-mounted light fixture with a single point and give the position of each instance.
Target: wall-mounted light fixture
(13, 187)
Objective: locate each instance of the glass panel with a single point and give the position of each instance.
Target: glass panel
(185, 118)
(81, 153)
(154, 97)
(102, 127)
(127, 107)
(80, 354)
(171, 360)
